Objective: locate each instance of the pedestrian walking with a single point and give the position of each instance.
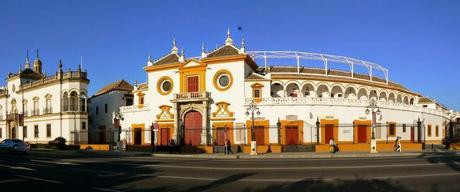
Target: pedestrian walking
(332, 145)
(398, 144)
(228, 147)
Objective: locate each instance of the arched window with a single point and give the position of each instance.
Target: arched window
(308, 90)
(48, 107)
(24, 107)
(65, 101)
(73, 101)
(350, 93)
(337, 92)
(362, 94)
(292, 90)
(36, 107)
(322, 91)
(82, 102)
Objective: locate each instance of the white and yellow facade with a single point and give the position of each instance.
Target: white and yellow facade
(216, 88)
(38, 108)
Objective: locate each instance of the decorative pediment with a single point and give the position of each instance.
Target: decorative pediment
(222, 110)
(165, 113)
(192, 63)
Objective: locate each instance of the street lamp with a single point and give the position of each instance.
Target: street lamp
(375, 110)
(252, 107)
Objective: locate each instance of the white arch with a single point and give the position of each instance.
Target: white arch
(399, 98)
(373, 94)
(308, 90)
(351, 92)
(293, 89)
(363, 94)
(277, 90)
(383, 96)
(322, 90)
(337, 91)
(406, 100)
(392, 97)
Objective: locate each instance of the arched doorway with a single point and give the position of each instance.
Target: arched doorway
(193, 125)
(13, 133)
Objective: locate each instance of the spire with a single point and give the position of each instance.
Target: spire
(203, 51)
(243, 48)
(60, 65)
(38, 64)
(229, 40)
(27, 66)
(174, 49)
(182, 56)
(38, 56)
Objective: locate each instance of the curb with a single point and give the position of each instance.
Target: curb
(288, 156)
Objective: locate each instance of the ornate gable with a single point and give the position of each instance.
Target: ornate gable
(165, 114)
(222, 111)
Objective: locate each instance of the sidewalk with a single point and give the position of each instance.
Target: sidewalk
(93, 152)
(303, 155)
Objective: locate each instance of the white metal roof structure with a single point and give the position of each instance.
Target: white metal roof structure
(325, 58)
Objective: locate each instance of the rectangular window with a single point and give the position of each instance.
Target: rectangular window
(83, 125)
(437, 131)
(141, 100)
(97, 110)
(392, 130)
(256, 93)
(429, 130)
(24, 131)
(105, 108)
(36, 131)
(48, 130)
(192, 83)
(129, 102)
(404, 128)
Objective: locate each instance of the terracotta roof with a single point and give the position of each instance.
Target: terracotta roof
(255, 76)
(425, 100)
(227, 50)
(170, 58)
(118, 85)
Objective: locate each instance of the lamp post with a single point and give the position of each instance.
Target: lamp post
(372, 107)
(278, 125)
(252, 107)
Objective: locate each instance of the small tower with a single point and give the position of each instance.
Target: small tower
(38, 64)
(203, 51)
(229, 40)
(243, 47)
(174, 49)
(27, 64)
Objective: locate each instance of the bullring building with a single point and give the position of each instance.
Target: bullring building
(38, 108)
(277, 98)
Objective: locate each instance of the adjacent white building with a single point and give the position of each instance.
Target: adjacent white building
(103, 105)
(38, 107)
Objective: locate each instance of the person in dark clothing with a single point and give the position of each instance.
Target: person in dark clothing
(172, 146)
(228, 147)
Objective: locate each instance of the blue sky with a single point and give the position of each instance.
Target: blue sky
(418, 41)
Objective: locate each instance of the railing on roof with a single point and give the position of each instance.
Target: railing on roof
(325, 58)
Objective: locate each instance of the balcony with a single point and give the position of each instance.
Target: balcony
(315, 101)
(191, 96)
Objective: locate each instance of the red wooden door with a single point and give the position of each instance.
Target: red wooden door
(260, 135)
(193, 127)
(192, 84)
(292, 135)
(220, 136)
(328, 133)
(412, 134)
(165, 137)
(362, 133)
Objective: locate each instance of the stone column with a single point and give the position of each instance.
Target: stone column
(204, 132)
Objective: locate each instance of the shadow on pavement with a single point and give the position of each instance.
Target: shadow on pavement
(357, 185)
(450, 159)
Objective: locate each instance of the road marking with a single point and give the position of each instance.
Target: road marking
(17, 168)
(11, 181)
(188, 178)
(39, 179)
(55, 162)
(299, 168)
(415, 176)
(105, 189)
(40, 165)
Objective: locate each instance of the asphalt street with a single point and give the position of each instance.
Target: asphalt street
(54, 171)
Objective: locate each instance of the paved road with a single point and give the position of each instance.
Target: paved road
(50, 171)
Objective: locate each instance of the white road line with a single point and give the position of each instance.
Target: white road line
(39, 165)
(297, 168)
(17, 168)
(416, 176)
(55, 162)
(188, 178)
(39, 179)
(105, 189)
(11, 181)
